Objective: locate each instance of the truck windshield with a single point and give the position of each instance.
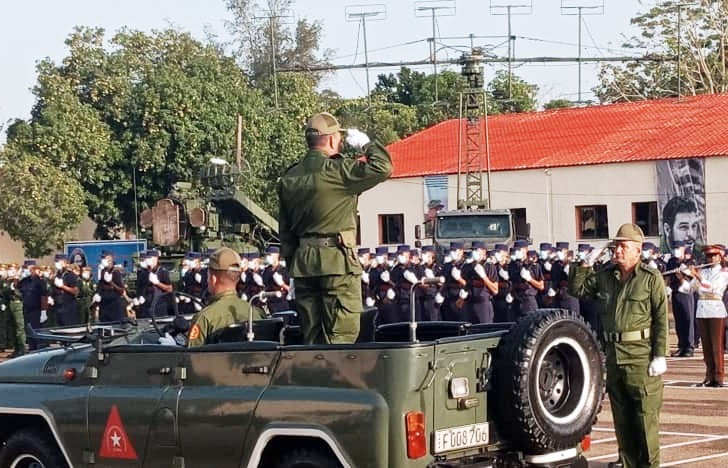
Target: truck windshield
(483, 226)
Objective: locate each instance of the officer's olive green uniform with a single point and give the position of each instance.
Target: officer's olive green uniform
(635, 331)
(16, 322)
(224, 309)
(317, 225)
(85, 294)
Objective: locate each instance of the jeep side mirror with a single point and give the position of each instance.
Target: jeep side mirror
(418, 231)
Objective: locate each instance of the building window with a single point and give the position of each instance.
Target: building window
(644, 215)
(591, 222)
(391, 229)
(519, 221)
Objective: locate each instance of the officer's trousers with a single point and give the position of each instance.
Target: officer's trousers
(329, 308)
(17, 327)
(712, 336)
(636, 400)
(683, 309)
(31, 316)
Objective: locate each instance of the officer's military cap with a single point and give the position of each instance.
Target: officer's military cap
(456, 246)
(153, 253)
(225, 259)
(392, 255)
(648, 246)
(28, 263)
(545, 246)
(562, 245)
(478, 245)
(678, 243)
(630, 232)
(428, 248)
(60, 257)
(500, 247)
(323, 124)
(583, 247)
(382, 250)
(272, 249)
(519, 244)
(713, 250)
(253, 255)
(363, 250)
(403, 248)
(532, 253)
(195, 255)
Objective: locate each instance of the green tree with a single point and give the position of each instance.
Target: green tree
(503, 98)
(703, 54)
(558, 104)
(40, 203)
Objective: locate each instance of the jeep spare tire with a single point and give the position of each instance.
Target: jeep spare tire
(548, 381)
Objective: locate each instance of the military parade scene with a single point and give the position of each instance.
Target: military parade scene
(413, 233)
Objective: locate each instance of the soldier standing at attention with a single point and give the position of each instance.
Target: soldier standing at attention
(110, 290)
(85, 293)
(63, 293)
(16, 333)
(33, 289)
(634, 318)
(318, 205)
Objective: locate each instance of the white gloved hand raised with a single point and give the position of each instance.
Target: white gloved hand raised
(96, 298)
(153, 278)
(684, 287)
(463, 294)
(135, 302)
(51, 302)
(479, 270)
(439, 299)
(547, 266)
(658, 366)
(356, 138)
(244, 297)
(668, 290)
(411, 277)
(509, 298)
(390, 294)
(108, 277)
(429, 273)
(3, 307)
(198, 277)
(278, 279)
(456, 275)
(57, 282)
(551, 292)
(652, 264)
(504, 274)
(591, 258)
(198, 307)
(365, 277)
(167, 340)
(142, 300)
(369, 302)
(526, 275)
(384, 276)
(258, 279)
(566, 268)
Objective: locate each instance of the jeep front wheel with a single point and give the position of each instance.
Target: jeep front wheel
(30, 449)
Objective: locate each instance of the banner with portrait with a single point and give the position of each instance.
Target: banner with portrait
(681, 202)
(435, 200)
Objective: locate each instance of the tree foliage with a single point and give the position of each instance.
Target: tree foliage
(40, 201)
(703, 56)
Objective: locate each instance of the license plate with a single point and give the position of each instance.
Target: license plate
(456, 438)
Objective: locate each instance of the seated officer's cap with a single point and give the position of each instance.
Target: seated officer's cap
(153, 253)
(272, 249)
(225, 259)
(456, 246)
(500, 247)
(532, 253)
(29, 263)
(323, 124)
(630, 232)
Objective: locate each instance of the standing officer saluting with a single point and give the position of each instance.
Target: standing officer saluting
(634, 318)
(64, 292)
(317, 224)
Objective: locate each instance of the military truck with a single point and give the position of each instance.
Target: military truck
(435, 394)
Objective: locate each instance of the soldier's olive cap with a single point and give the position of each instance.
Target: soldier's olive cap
(225, 259)
(478, 245)
(714, 249)
(403, 248)
(381, 250)
(428, 248)
(630, 232)
(363, 251)
(519, 244)
(323, 124)
(500, 247)
(60, 257)
(272, 249)
(562, 245)
(456, 245)
(648, 246)
(545, 246)
(678, 243)
(153, 253)
(583, 247)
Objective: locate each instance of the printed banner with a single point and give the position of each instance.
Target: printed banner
(681, 202)
(435, 200)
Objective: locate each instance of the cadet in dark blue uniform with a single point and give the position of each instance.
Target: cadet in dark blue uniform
(32, 288)
(404, 277)
(276, 279)
(384, 288)
(453, 290)
(63, 294)
(142, 283)
(429, 295)
(110, 290)
(159, 284)
(365, 260)
(503, 300)
(526, 278)
(560, 279)
(683, 304)
(482, 283)
(590, 308)
(547, 297)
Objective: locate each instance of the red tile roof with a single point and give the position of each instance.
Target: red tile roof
(694, 126)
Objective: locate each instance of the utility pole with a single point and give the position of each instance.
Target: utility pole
(679, 41)
(360, 13)
(283, 17)
(582, 7)
(433, 9)
(511, 7)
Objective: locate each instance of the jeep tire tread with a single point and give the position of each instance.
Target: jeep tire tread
(31, 448)
(306, 458)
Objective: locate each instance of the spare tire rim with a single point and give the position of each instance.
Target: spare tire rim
(563, 376)
(27, 460)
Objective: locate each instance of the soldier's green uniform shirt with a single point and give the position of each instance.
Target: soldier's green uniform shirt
(224, 309)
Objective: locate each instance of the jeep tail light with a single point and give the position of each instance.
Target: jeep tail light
(586, 443)
(416, 441)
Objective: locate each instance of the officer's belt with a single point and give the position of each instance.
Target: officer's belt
(319, 241)
(710, 297)
(634, 335)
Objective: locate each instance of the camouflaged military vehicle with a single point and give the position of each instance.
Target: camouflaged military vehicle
(436, 394)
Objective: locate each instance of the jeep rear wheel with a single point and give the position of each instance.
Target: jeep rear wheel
(306, 458)
(30, 449)
(549, 380)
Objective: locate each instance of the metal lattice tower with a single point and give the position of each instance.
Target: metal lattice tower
(472, 134)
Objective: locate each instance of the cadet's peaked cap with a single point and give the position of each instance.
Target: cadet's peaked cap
(428, 248)
(382, 250)
(323, 124)
(253, 255)
(415, 252)
(272, 249)
(27, 263)
(225, 259)
(500, 247)
(532, 253)
(562, 245)
(545, 246)
(153, 253)
(456, 245)
(649, 246)
(60, 257)
(403, 248)
(630, 232)
(519, 244)
(583, 247)
(478, 245)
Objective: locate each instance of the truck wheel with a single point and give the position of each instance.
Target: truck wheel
(30, 448)
(306, 458)
(548, 381)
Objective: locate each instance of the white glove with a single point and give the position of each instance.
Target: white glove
(658, 366)
(411, 277)
(198, 307)
(685, 270)
(385, 276)
(390, 294)
(142, 300)
(479, 270)
(12, 286)
(43, 316)
(439, 299)
(96, 298)
(135, 302)
(591, 258)
(509, 298)
(176, 299)
(186, 299)
(278, 279)
(504, 274)
(566, 268)
(244, 297)
(668, 290)
(447, 259)
(463, 294)
(108, 277)
(456, 275)
(547, 266)
(684, 287)
(167, 340)
(551, 292)
(153, 278)
(243, 277)
(57, 282)
(51, 302)
(3, 307)
(356, 138)
(369, 302)
(374, 263)
(526, 275)
(652, 264)
(258, 279)
(429, 273)
(365, 277)
(198, 277)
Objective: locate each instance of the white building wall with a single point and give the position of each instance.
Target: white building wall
(550, 198)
